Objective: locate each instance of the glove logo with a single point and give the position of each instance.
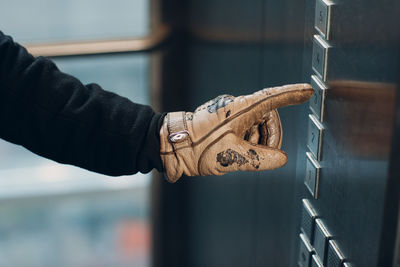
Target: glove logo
(178, 136)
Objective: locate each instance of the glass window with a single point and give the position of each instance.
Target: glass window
(43, 21)
(61, 215)
(124, 74)
(81, 229)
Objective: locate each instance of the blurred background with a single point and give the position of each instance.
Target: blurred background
(57, 215)
(175, 55)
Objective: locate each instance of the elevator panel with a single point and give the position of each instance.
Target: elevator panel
(353, 71)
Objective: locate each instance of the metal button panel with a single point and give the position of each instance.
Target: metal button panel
(308, 219)
(316, 262)
(321, 239)
(335, 256)
(315, 133)
(320, 57)
(311, 179)
(322, 20)
(318, 99)
(305, 252)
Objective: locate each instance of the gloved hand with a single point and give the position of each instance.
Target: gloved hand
(228, 134)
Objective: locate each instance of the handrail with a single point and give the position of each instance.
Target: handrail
(101, 46)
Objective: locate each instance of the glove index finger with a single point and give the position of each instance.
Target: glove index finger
(291, 94)
(253, 107)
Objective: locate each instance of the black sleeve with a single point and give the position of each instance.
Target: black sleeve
(54, 115)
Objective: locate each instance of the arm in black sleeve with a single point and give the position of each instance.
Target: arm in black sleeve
(54, 115)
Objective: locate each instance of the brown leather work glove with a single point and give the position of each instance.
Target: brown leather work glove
(228, 134)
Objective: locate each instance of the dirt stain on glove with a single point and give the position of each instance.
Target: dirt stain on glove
(255, 159)
(230, 156)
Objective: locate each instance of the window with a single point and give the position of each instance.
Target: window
(60, 215)
(55, 21)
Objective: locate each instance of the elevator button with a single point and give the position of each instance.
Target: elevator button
(316, 262)
(308, 219)
(318, 99)
(320, 57)
(321, 239)
(323, 17)
(315, 134)
(335, 256)
(305, 252)
(312, 175)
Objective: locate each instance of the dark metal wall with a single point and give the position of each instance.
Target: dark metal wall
(359, 118)
(253, 219)
(244, 219)
(240, 219)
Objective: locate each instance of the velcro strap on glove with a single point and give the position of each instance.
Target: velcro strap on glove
(177, 129)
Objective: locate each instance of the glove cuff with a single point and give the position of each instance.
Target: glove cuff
(174, 139)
